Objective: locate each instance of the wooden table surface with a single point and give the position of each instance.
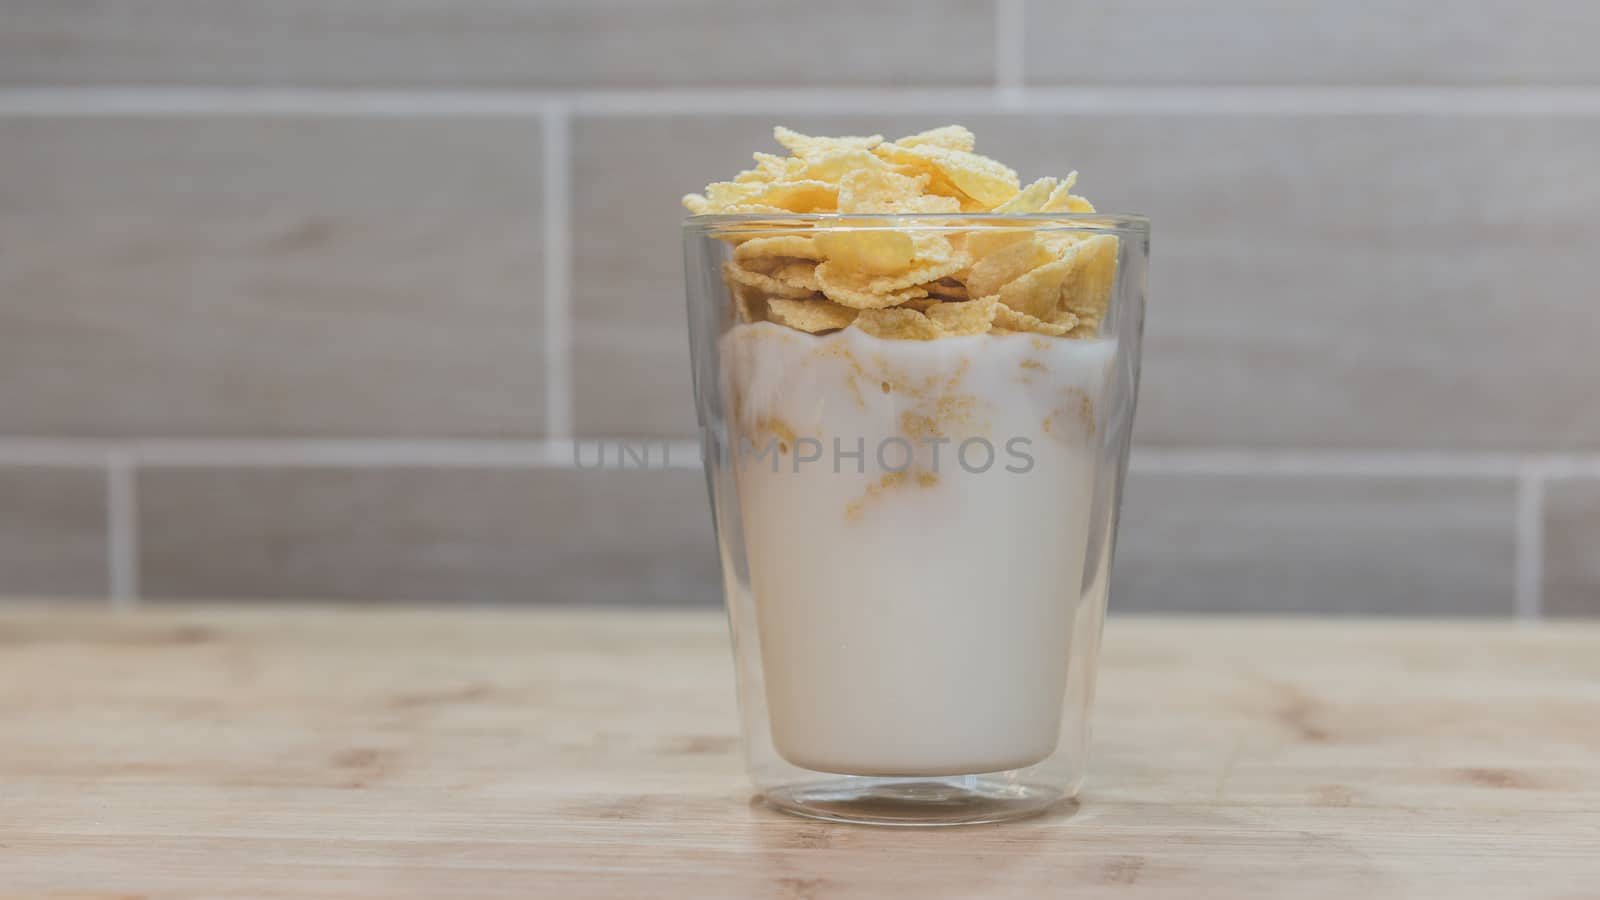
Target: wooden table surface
(298, 752)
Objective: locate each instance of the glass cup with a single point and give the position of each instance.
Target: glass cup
(916, 535)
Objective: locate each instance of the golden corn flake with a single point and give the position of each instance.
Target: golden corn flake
(931, 246)
(979, 177)
(835, 166)
(1037, 291)
(1058, 242)
(798, 273)
(933, 203)
(1057, 201)
(950, 137)
(836, 277)
(964, 318)
(1006, 265)
(810, 316)
(1063, 200)
(878, 191)
(947, 289)
(898, 324)
(794, 245)
(800, 196)
(807, 147)
(726, 193)
(1011, 320)
(871, 252)
(865, 291)
(772, 168)
(986, 241)
(754, 278)
(1030, 199)
(1087, 289)
(749, 304)
(894, 280)
(783, 196)
(907, 161)
(752, 208)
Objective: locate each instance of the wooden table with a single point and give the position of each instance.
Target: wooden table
(297, 752)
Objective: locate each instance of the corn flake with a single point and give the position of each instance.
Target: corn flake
(1006, 265)
(834, 166)
(950, 137)
(985, 241)
(811, 316)
(878, 191)
(863, 291)
(1037, 292)
(964, 318)
(754, 278)
(947, 289)
(807, 147)
(801, 196)
(898, 324)
(834, 277)
(772, 168)
(979, 177)
(1012, 320)
(1087, 289)
(798, 273)
(1030, 199)
(906, 282)
(1059, 195)
(750, 304)
(793, 245)
(872, 252)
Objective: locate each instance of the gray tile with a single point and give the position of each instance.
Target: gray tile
(1327, 545)
(270, 277)
(493, 43)
(1411, 42)
(1572, 548)
(1354, 281)
(1317, 281)
(53, 532)
(451, 535)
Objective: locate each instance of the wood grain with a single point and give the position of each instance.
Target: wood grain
(336, 753)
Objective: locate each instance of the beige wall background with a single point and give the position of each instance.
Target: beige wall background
(308, 299)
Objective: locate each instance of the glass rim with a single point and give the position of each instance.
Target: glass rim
(1110, 223)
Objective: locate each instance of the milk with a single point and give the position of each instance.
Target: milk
(914, 605)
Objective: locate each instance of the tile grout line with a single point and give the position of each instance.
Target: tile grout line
(122, 512)
(1010, 42)
(1512, 101)
(557, 194)
(1530, 544)
(1282, 463)
(558, 453)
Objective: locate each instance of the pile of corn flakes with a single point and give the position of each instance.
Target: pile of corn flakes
(908, 279)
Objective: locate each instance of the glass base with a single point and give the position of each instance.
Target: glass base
(950, 800)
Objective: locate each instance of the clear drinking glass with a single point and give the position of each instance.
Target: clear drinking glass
(916, 535)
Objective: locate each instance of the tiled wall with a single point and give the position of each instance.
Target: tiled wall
(306, 300)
